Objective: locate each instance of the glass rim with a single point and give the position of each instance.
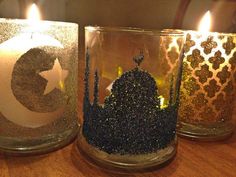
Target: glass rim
(199, 33)
(133, 30)
(26, 21)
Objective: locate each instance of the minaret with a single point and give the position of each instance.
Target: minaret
(95, 93)
(86, 84)
(171, 91)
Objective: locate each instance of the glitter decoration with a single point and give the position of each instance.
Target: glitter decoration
(189, 43)
(131, 97)
(203, 74)
(195, 59)
(223, 75)
(212, 88)
(232, 61)
(191, 85)
(131, 120)
(208, 85)
(208, 45)
(38, 96)
(205, 71)
(217, 60)
(229, 45)
(199, 100)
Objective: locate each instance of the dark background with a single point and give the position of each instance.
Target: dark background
(157, 14)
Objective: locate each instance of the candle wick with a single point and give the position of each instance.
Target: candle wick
(32, 35)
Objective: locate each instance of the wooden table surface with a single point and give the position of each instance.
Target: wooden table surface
(194, 159)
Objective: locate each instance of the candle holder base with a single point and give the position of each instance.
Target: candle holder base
(42, 145)
(127, 163)
(213, 132)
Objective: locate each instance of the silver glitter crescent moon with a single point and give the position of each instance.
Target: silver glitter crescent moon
(10, 108)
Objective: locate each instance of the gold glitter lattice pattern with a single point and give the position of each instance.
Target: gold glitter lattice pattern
(208, 81)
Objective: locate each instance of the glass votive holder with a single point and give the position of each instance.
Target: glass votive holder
(38, 88)
(132, 79)
(208, 86)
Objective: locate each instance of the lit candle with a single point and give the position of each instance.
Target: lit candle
(137, 118)
(207, 89)
(33, 34)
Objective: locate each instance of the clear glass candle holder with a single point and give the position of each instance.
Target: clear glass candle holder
(131, 82)
(208, 86)
(38, 88)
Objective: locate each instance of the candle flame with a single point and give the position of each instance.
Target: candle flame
(34, 20)
(205, 22)
(33, 13)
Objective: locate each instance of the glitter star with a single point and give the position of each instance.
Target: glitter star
(55, 77)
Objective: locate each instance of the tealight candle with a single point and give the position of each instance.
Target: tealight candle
(208, 84)
(38, 70)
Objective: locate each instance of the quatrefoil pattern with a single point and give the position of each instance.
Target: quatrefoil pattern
(208, 45)
(195, 59)
(209, 79)
(188, 43)
(217, 60)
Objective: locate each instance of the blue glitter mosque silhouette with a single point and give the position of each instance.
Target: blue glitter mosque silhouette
(131, 120)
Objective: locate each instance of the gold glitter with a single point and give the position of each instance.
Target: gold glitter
(223, 75)
(204, 73)
(189, 43)
(216, 60)
(208, 114)
(209, 78)
(191, 86)
(219, 101)
(208, 45)
(232, 61)
(199, 100)
(195, 59)
(212, 88)
(229, 45)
